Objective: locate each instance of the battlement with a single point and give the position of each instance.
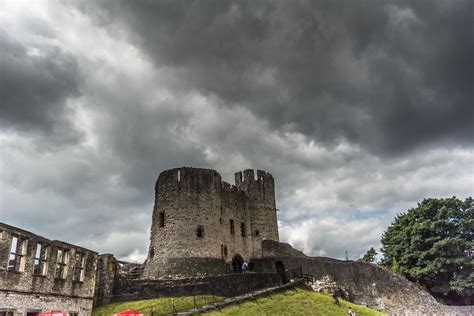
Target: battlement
(189, 178)
(245, 180)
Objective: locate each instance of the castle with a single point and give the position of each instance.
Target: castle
(203, 225)
(202, 229)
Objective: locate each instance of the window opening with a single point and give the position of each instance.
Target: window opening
(162, 219)
(232, 228)
(110, 266)
(179, 175)
(16, 258)
(41, 257)
(257, 232)
(242, 229)
(7, 313)
(200, 231)
(79, 267)
(62, 258)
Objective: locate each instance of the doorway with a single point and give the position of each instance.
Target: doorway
(237, 263)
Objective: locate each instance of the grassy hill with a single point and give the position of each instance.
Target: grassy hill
(295, 302)
(299, 301)
(159, 306)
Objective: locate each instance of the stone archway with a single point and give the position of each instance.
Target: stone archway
(237, 261)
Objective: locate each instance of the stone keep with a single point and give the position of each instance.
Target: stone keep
(203, 225)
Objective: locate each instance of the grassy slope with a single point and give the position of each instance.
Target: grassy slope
(162, 305)
(291, 302)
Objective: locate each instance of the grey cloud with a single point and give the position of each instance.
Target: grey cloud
(300, 89)
(35, 84)
(387, 75)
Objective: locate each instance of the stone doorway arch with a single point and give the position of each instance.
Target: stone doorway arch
(237, 261)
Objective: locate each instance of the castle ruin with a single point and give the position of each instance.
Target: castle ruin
(202, 229)
(202, 225)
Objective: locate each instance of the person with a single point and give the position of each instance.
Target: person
(245, 267)
(350, 312)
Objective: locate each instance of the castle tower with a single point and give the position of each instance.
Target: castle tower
(261, 204)
(201, 225)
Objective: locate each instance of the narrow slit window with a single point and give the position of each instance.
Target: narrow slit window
(242, 229)
(179, 175)
(200, 231)
(257, 232)
(162, 219)
(232, 228)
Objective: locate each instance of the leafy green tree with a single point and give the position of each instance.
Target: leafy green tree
(433, 245)
(369, 255)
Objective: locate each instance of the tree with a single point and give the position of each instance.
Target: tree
(369, 255)
(433, 245)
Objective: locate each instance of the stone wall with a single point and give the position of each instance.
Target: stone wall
(35, 274)
(107, 274)
(21, 304)
(197, 215)
(360, 282)
(222, 285)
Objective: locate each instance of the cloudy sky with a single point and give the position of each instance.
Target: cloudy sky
(360, 109)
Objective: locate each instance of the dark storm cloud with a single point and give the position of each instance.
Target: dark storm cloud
(300, 89)
(387, 75)
(35, 84)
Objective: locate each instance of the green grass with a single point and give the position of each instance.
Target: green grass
(299, 301)
(159, 306)
(291, 302)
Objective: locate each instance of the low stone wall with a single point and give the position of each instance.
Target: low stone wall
(223, 285)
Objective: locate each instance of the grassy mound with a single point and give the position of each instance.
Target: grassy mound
(298, 301)
(157, 306)
(295, 302)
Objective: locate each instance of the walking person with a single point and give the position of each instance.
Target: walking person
(350, 312)
(245, 267)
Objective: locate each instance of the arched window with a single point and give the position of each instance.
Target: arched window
(200, 231)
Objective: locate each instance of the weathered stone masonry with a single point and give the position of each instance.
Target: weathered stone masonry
(37, 274)
(202, 225)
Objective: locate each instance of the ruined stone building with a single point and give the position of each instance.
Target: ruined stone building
(38, 274)
(201, 231)
(203, 225)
